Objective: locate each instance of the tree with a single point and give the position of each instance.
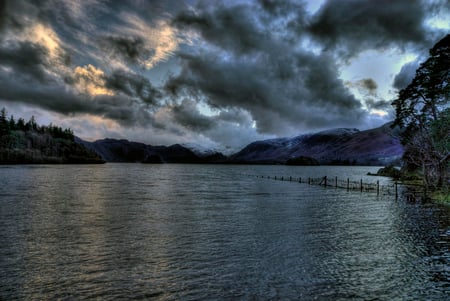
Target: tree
(422, 110)
(31, 125)
(12, 123)
(4, 125)
(21, 124)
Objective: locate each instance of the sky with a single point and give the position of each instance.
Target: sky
(220, 74)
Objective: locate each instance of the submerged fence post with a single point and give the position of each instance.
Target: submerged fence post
(290, 178)
(348, 184)
(300, 180)
(396, 190)
(361, 183)
(309, 180)
(335, 182)
(325, 179)
(378, 187)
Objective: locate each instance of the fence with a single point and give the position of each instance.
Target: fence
(379, 189)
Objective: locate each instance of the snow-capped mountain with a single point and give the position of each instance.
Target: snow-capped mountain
(379, 146)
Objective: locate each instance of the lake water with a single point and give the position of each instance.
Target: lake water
(211, 232)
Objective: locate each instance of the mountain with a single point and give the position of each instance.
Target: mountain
(114, 150)
(343, 146)
(379, 146)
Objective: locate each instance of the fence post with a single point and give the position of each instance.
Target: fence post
(378, 187)
(282, 179)
(361, 185)
(309, 180)
(335, 182)
(396, 190)
(348, 184)
(275, 177)
(300, 180)
(325, 179)
(290, 178)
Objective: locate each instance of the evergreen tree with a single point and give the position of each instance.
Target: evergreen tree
(4, 125)
(422, 109)
(21, 124)
(12, 123)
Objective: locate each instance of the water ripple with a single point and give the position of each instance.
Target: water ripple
(190, 232)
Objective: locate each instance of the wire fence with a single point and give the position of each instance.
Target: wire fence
(350, 185)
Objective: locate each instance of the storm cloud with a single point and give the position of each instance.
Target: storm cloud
(267, 75)
(406, 75)
(133, 85)
(352, 26)
(27, 59)
(223, 72)
(130, 48)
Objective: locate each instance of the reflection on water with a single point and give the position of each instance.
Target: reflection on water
(193, 232)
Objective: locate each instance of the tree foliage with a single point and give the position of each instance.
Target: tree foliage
(27, 142)
(9, 125)
(423, 111)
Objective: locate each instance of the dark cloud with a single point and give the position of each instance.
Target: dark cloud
(351, 26)
(133, 85)
(231, 28)
(27, 59)
(276, 98)
(3, 14)
(132, 49)
(369, 84)
(236, 116)
(377, 104)
(15, 15)
(406, 75)
(247, 61)
(188, 115)
(278, 84)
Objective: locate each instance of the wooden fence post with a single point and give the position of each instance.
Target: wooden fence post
(335, 182)
(396, 190)
(378, 187)
(348, 184)
(361, 184)
(325, 179)
(300, 180)
(309, 180)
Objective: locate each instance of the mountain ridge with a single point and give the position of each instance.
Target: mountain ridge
(344, 146)
(377, 146)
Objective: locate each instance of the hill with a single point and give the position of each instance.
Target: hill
(115, 150)
(29, 143)
(379, 146)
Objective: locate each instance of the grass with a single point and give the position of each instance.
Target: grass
(441, 196)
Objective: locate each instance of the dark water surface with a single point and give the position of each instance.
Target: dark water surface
(205, 232)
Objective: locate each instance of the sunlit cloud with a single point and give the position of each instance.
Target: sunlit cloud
(91, 81)
(161, 39)
(46, 37)
(379, 113)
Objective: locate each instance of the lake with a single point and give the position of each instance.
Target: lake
(212, 232)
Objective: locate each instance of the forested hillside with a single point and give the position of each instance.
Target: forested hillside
(26, 142)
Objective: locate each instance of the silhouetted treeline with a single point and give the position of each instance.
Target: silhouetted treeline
(27, 142)
(7, 125)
